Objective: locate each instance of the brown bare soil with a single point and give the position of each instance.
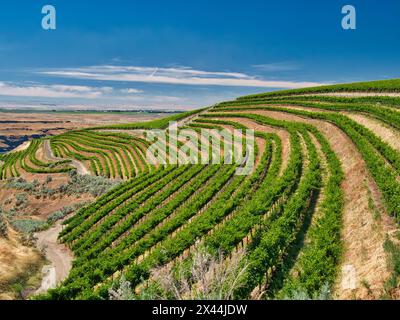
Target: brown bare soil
(59, 256)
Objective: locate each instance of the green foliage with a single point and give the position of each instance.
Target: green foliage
(21, 199)
(303, 294)
(63, 212)
(160, 216)
(88, 184)
(154, 124)
(28, 226)
(375, 152)
(393, 257)
(14, 160)
(392, 85)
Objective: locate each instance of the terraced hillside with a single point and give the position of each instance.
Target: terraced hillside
(112, 153)
(317, 216)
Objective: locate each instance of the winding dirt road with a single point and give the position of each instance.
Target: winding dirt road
(59, 256)
(81, 169)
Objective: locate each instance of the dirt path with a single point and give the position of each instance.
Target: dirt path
(59, 256)
(387, 134)
(364, 259)
(81, 169)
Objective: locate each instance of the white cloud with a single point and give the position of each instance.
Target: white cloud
(131, 90)
(152, 99)
(52, 91)
(179, 76)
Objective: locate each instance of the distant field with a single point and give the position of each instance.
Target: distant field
(18, 126)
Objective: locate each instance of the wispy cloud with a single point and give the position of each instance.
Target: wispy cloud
(131, 90)
(52, 91)
(151, 99)
(178, 76)
(277, 66)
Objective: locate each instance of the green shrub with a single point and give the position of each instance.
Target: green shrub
(28, 226)
(93, 185)
(21, 199)
(60, 214)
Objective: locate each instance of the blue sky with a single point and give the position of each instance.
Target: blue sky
(186, 54)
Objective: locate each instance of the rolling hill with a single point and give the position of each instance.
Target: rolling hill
(318, 213)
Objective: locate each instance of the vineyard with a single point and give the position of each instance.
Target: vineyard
(324, 195)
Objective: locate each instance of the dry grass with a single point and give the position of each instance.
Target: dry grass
(202, 276)
(19, 264)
